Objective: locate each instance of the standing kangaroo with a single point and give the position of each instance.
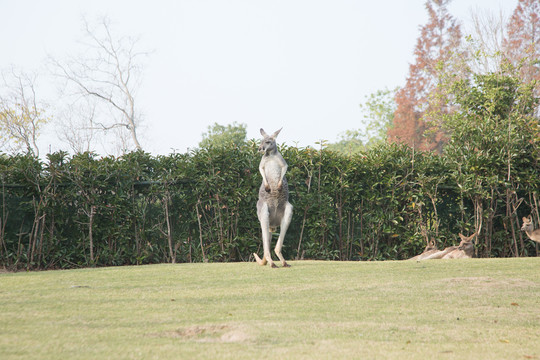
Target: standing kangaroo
(534, 235)
(273, 207)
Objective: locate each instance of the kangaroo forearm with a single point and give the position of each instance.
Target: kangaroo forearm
(263, 174)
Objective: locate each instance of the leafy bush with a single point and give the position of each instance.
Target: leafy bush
(138, 209)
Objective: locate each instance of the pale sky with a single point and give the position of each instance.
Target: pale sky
(304, 65)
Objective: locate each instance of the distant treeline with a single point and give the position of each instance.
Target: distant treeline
(85, 210)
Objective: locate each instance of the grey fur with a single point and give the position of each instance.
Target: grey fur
(273, 207)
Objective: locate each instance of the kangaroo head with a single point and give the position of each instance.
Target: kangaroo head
(527, 224)
(268, 143)
(466, 243)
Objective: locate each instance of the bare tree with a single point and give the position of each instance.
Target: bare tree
(76, 125)
(21, 115)
(110, 72)
(485, 41)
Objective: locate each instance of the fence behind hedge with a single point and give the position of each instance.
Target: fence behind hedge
(138, 209)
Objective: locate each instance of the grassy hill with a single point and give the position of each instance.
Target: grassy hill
(488, 308)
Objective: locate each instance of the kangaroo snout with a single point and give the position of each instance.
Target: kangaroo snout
(268, 144)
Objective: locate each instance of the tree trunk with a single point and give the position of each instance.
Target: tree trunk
(90, 232)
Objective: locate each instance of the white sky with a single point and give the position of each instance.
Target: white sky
(304, 65)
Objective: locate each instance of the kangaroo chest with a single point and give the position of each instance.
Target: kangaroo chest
(272, 170)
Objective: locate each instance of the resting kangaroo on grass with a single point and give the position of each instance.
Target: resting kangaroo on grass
(273, 207)
(430, 249)
(464, 250)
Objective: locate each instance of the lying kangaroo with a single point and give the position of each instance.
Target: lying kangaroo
(464, 250)
(431, 248)
(273, 207)
(534, 235)
(440, 253)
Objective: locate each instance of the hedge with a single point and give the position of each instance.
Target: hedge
(85, 210)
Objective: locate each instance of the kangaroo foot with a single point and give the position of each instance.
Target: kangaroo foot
(260, 261)
(274, 266)
(286, 265)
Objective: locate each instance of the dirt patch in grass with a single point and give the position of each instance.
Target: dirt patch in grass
(207, 333)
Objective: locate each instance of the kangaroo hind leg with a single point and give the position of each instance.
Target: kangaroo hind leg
(264, 218)
(285, 221)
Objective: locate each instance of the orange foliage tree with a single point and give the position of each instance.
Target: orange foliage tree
(521, 45)
(436, 52)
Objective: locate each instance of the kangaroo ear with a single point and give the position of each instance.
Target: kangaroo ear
(463, 237)
(263, 133)
(276, 133)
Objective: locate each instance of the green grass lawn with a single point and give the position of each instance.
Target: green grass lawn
(471, 308)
